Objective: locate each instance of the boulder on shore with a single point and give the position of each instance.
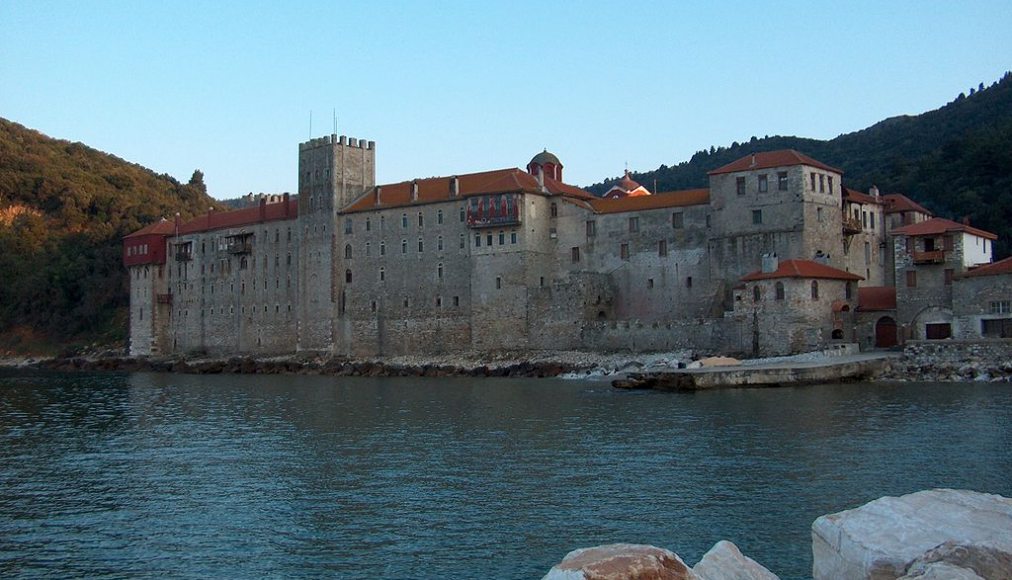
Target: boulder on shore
(621, 561)
(924, 535)
(725, 561)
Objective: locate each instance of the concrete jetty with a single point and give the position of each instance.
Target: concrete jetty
(851, 367)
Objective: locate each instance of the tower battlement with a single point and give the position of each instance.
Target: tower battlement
(333, 139)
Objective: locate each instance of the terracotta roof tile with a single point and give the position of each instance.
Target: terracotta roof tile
(434, 189)
(872, 298)
(802, 269)
(769, 159)
(855, 196)
(937, 226)
(644, 202)
(162, 227)
(897, 202)
(992, 269)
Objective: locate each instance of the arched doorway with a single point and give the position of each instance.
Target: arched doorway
(885, 332)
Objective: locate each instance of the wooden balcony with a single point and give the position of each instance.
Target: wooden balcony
(931, 257)
(851, 226)
(241, 247)
(184, 256)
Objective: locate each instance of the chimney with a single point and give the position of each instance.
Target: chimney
(379, 191)
(966, 220)
(753, 161)
(454, 187)
(873, 191)
(414, 190)
(263, 209)
(770, 263)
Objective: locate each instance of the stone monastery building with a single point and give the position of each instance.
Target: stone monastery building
(776, 256)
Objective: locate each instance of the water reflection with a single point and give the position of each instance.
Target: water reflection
(236, 476)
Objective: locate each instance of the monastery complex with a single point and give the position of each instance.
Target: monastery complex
(775, 257)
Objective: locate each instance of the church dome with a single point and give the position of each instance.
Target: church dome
(545, 157)
(627, 183)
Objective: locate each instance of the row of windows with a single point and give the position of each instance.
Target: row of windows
(623, 249)
(677, 222)
(231, 310)
(489, 241)
(823, 181)
(349, 224)
(1001, 307)
(911, 277)
(407, 302)
(137, 250)
(779, 293)
(763, 183)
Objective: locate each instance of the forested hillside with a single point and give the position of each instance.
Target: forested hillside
(956, 160)
(64, 208)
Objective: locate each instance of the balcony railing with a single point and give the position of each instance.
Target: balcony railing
(930, 257)
(163, 298)
(184, 256)
(851, 226)
(240, 247)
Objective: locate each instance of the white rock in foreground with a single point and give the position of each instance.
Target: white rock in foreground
(883, 538)
(621, 561)
(725, 561)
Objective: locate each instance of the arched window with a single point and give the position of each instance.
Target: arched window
(849, 290)
(815, 289)
(756, 294)
(780, 290)
(347, 276)
(347, 252)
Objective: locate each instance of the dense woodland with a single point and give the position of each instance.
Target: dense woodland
(64, 207)
(956, 160)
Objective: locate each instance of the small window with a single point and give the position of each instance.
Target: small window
(740, 185)
(591, 228)
(815, 289)
(948, 244)
(782, 181)
(347, 252)
(383, 275)
(456, 300)
(688, 281)
(383, 248)
(421, 220)
(513, 237)
(404, 220)
(575, 252)
(439, 271)
(347, 276)
(462, 241)
(763, 183)
(498, 282)
(757, 216)
(756, 294)
(462, 214)
(948, 276)
(439, 243)
(554, 209)
(488, 240)
(662, 248)
(634, 224)
(707, 220)
(404, 246)
(678, 220)
(477, 240)
(779, 288)
(822, 183)
(818, 214)
(421, 245)
(624, 251)
(502, 238)
(439, 217)
(650, 282)
(812, 175)
(848, 290)
(368, 225)
(347, 226)
(872, 220)
(439, 301)
(1001, 306)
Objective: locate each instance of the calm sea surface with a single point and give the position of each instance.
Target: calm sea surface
(146, 475)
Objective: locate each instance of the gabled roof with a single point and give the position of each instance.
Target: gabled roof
(769, 159)
(267, 212)
(802, 269)
(434, 189)
(644, 202)
(162, 227)
(992, 269)
(873, 298)
(855, 196)
(937, 226)
(897, 202)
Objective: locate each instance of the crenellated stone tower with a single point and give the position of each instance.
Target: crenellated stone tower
(333, 171)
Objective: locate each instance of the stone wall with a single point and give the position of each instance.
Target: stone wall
(976, 299)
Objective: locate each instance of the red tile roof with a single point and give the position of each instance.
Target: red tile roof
(434, 189)
(769, 159)
(802, 269)
(992, 269)
(873, 298)
(855, 196)
(644, 202)
(897, 202)
(937, 226)
(162, 227)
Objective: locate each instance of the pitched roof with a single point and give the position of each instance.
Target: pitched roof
(162, 227)
(265, 212)
(644, 202)
(897, 202)
(855, 196)
(768, 159)
(992, 269)
(872, 298)
(802, 269)
(936, 226)
(435, 189)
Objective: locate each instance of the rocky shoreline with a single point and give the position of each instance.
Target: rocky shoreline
(936, 361)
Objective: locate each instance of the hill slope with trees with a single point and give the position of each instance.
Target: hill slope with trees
(956, 160)
(64, 208)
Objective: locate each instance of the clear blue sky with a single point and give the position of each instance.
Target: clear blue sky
(454, 87)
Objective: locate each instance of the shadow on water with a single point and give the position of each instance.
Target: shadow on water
(150, 474)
